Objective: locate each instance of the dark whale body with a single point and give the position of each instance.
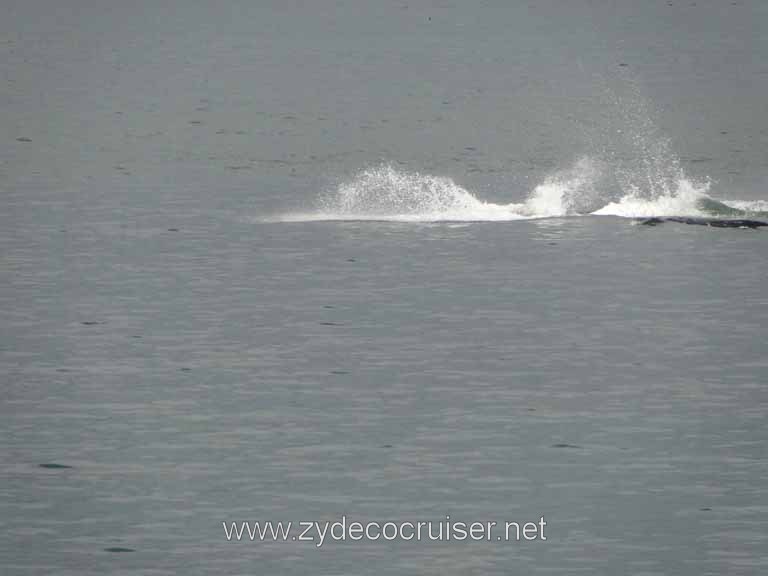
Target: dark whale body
(714, 222)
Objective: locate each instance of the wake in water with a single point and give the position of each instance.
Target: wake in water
(383, 193)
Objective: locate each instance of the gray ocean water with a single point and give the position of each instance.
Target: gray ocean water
(289, 261)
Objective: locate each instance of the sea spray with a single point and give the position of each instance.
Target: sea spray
(384, 193)
(566, 192)
(686, 200)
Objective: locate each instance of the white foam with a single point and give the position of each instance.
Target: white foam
(748, 205)
(682, 202)
(383, 193)
(562, 193)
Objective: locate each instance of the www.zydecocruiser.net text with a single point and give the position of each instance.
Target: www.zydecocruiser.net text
(344, 530)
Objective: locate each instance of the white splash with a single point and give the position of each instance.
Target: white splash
(633, 173)
(564, 192)
(684, 201)
(749, 206)
(383, 193)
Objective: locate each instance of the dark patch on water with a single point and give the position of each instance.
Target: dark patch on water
(714, 223)
(91, 323)
(331, 324)
(173, 229)
(23, 139)
(339, 372)
(55, 466)
(118, 549)
(565, 445)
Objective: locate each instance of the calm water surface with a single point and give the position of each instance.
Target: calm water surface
(224, 294)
